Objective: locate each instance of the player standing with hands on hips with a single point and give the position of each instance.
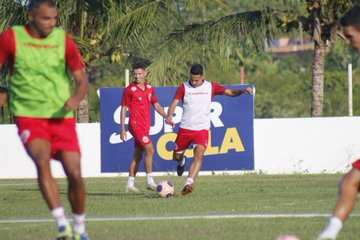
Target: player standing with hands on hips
(138, 97)
(350, 184)
(40, 100)
(196, 95)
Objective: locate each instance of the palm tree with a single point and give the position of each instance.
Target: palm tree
(109, 28)
(117, 29)
(246, 32)
(101, 28)
(321, 22)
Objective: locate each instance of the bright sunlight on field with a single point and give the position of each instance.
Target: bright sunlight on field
(250, 206)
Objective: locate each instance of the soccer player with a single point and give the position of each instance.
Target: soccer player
(43, 107)
(137, 97)
(350, 184)
(196, 95)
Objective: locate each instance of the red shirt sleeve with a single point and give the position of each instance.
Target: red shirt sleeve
(153, 96)
(180, 92)
(7, 48)
(72, 55)
(217, 89)
(126, 97)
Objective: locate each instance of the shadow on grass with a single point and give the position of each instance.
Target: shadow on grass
(27, 190)
(147, 195)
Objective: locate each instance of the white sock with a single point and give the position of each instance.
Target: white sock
(149, 178)
(59, 215)
(130, 182)
(79, 223)
(182, 161)
(332, 228)
(188, 181)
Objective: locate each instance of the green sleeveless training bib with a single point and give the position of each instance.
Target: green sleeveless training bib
(39, 86)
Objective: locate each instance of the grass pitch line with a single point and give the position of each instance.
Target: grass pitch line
(179, 217)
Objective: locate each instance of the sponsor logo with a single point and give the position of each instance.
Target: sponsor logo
(35, 45)
(25, 135)
(198, 93)
(225, 140)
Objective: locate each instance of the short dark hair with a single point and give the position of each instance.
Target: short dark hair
(139, 65)
(197, 69)
(35, 4)
(351, 18)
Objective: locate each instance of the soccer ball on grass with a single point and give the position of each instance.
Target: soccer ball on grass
(165, 189)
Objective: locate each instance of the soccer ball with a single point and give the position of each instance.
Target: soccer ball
(165, 189)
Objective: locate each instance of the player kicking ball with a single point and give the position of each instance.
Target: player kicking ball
(196, 95)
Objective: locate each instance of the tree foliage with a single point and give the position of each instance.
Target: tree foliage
(101, 28)
(246, 32)
(222, 35)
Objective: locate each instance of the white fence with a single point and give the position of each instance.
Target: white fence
(298, 145)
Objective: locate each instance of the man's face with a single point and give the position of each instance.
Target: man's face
(43, 20)
(196, 80)
(139, 75)
(353, 36)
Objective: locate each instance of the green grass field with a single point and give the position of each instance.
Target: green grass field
(249, 206)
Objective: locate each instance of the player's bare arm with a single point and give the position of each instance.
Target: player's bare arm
(161, 111)
(171, 110)
(237, 92)
(82, 86)
(3, 96)
(122, 123)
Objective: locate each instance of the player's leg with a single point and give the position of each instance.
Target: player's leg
(65, 147)
(35, 136)
(143, 142)
(348, 190)
(76, 187)
(194, 169)
(182, 142)
(76, 190)
(195, 166)
(200, 140)
(39, 150)
(133, 169)
(149, 153)
(181, 159)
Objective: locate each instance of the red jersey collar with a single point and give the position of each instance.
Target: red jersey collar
(145, 85)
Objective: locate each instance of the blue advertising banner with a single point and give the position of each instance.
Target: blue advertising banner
(230, 144)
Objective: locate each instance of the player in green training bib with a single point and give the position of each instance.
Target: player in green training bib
(43, 106)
